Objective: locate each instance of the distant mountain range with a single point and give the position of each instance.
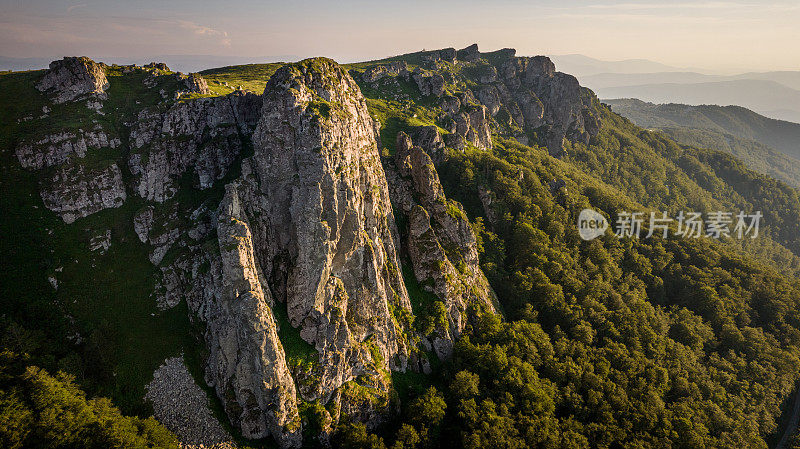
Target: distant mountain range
(768, 98)
(774, 94)
(581, 65)
(608, 80)
(767, 145)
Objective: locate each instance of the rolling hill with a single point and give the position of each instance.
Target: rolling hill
(768, 98)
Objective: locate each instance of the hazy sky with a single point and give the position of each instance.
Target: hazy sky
(720, 35)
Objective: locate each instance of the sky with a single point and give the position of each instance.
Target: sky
(721, 36)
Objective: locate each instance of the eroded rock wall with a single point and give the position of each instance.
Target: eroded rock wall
(325, 229)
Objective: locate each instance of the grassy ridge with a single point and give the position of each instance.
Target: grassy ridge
(251, 77)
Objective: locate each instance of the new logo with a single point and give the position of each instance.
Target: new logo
(591, 224)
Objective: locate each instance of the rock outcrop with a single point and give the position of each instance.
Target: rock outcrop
(201, 137)
(429, 83)
(56, 149)
(541, 98)
(470, 53)
(195, 83)
(527, 93)
(440, 242)
(471, 125)
(443, 55)
(157, 65)
(78, 174)
(520, 97)
(325, 229)
(73, 77)
(307, 228)
(247, 365)
(74, 191)
(429, 139)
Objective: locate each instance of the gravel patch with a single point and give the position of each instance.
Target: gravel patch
(182, 407)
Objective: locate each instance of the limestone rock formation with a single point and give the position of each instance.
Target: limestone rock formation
(308, 227)
(143, 222)
(195, 83)
(520, 97)
(75, 180)
(246, 365)
(375, 73)
(471, 125)
(429, 139)
(325, 230)
(157, 65)
(58, 148)
(429, 83)
(444, 55)
(440, 242)
(469, 53)
(202, 137)
(74, 191)
(73, 77)
(532, 95)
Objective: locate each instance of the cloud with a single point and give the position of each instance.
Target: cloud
(74, 7)
(196, 28)
(77, 33)
(202, 30)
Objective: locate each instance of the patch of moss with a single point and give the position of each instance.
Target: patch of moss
(297, 350)
(320, 108)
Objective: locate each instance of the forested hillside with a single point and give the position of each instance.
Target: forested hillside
(766, 145)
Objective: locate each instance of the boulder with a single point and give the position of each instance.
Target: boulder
(157, 65)
(72, 78)
(195, 83)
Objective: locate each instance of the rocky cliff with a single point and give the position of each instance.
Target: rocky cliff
(441, 245)
(201, 138)
(275, 216)
(326, 228)
(521, 97)
(247, 364)
(307, 228)
(73, 185)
